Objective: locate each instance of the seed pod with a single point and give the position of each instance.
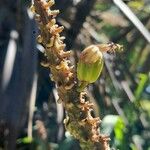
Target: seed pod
(89, 72)
(90, 65)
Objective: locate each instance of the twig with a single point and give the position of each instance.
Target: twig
(133, 18)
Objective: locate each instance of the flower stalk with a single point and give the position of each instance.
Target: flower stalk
(79, 121)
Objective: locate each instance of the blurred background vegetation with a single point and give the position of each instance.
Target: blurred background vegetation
(30, 116)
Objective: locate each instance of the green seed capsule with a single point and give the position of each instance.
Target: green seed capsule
(89, 72)
(90, 65)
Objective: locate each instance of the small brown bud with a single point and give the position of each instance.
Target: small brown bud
(91, 54)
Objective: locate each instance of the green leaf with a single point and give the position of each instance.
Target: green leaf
(113, 124)
(108, 124)
(25, 140)
(136, 4)
(119, 129)
(141, 85)
(133, 147)
(145, 104)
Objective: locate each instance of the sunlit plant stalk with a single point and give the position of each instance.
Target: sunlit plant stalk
(70, 86)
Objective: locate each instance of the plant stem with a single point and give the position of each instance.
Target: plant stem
(79, 121)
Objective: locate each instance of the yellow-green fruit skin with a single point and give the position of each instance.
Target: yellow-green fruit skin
(89, 72)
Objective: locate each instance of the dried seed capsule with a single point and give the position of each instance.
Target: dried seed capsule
(89, 66)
